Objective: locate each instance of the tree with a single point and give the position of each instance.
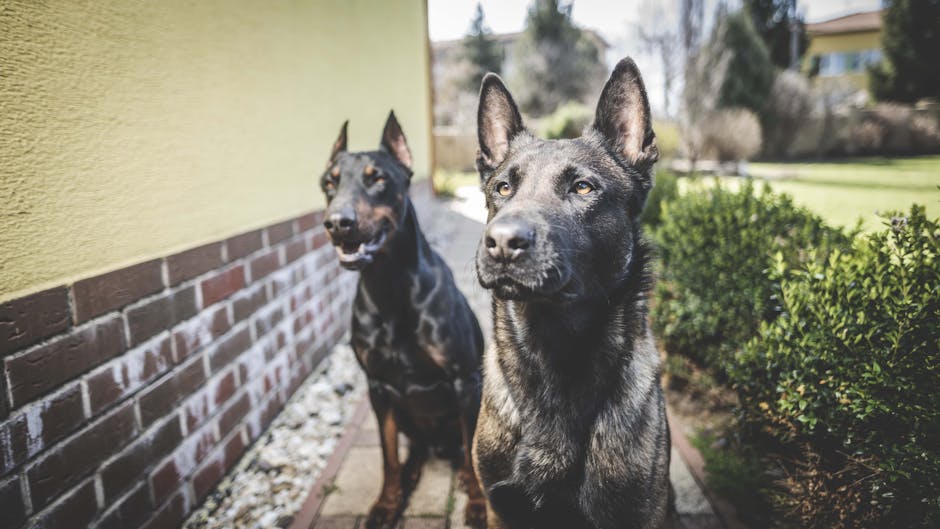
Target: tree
(750, 72)
(773, 20)
(481, 51)
(659, 36)
(557, 61)
(911, 37)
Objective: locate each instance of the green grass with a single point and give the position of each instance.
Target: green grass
(846, 190)
(447, 182)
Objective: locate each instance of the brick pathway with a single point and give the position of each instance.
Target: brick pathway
(437, 503)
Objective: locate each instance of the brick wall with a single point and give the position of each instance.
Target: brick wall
(125, 397)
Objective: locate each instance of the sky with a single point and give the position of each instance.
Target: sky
(615, 20)
(450, 19)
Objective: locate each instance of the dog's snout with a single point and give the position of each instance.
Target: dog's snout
(340, 222)
(509, 239)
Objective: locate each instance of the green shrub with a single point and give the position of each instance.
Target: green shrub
(715, 246)
(852, 369)
(665, 188)
(568, 121)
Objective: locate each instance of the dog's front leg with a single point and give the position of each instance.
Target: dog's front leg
(468, 398)
(388, 507)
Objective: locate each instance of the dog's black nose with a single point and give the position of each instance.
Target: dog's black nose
(341, 222)
(506, 240)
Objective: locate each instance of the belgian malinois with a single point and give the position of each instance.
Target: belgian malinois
(572, 430)
(412, 330)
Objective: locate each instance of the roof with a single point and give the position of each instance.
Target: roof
(856, 22)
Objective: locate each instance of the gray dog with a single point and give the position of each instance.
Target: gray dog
(572, 430)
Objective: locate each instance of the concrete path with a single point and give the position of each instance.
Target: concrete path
(438, 503)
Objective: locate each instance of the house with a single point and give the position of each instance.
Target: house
(165, 280)
(841, 49)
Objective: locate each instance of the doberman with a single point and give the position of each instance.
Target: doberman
(413, 332)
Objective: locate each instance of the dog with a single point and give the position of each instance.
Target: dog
(572, 430)
(413, 332)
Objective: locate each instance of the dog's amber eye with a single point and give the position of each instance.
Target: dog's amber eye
(330, 185)
(583, 188)
(379, 180)
(503, 188)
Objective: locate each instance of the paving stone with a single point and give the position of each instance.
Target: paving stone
(689, 497)
(358, 483)
(337, 522)
(430, 497)
(424, 523)
(456, 513)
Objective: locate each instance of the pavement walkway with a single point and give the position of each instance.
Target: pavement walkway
(352, 480)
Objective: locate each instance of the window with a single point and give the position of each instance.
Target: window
(841, 63)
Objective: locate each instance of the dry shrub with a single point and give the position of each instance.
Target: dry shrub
(732, 134)
(925, 134)
(788, 106)
(868, 137)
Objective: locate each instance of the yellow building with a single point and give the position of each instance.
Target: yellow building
(841, 49)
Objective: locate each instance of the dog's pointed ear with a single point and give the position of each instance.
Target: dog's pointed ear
(340, 144)
(623, 116)
(498, 122)
(394, 142)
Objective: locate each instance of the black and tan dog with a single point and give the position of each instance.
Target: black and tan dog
(412, 330)
(572, 431)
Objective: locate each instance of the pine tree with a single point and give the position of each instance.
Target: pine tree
(481, 51)
(557, 61)
(772, 20)
(911, 37)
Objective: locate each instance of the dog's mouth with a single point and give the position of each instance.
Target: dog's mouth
(355, 255)
(508, 287)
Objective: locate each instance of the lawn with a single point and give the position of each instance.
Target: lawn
(843, 191)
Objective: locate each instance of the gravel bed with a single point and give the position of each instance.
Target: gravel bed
(272, 480)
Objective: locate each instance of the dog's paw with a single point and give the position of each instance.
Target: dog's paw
(475, 514)
(383, 515)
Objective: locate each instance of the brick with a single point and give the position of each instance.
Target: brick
(222, 285)
(78, 509)
(161, 398)
(171, 515)
(206, 477)
(294, 250)
(319, 240)
(97, 295)
(4, 402)
(247, 303)
(194, 262)
(27, 320)
(267, 321)
(241, 245)
(131, 511)
(280, 232)
(229, 349)
(169, 476)
(12, 508)
(64, 465)
(126, 375)
(206, 404)
(48, 366)
(199, 332)
(264, 264)
(159, 314)
(233, 414)
(130, 465)
(234, 449)
(310, 221)
(58, 415)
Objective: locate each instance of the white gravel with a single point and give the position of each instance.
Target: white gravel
(272, 480)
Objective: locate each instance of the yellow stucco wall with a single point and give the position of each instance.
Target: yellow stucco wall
(820, 44)
(133, 129)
